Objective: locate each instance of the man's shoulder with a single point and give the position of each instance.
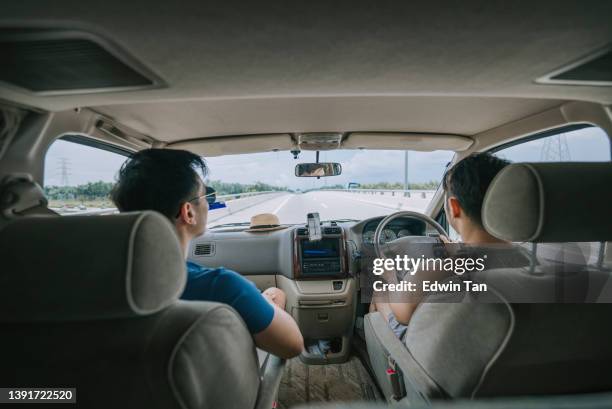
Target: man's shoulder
(223, 285)
(195, 268)
(220, 275)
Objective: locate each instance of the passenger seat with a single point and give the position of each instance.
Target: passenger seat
(91, 302)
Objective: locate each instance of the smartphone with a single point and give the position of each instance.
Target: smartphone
(314, 227)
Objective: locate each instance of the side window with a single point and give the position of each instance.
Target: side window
(79, 176)
(573, 144)
(581, 143)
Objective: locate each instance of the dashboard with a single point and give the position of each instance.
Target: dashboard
(289, 253)
(320, 278)
(400, 227)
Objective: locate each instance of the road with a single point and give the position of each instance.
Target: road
(292, 208)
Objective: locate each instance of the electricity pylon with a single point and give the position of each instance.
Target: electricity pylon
(64, 169)
(555, 149)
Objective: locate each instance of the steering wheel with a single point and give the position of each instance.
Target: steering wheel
(402, 244)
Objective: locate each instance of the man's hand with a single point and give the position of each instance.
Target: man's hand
(390, 277)
(445, 239)
(275, 296)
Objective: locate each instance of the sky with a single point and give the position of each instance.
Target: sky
(86, 164)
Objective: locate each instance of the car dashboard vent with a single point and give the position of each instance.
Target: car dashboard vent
(64, 62)
(332, 230)
(204, 249)
(592, 70)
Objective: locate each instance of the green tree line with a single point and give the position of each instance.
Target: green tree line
(225, 188)
(90, 191)
(431, 185)
(101, 190)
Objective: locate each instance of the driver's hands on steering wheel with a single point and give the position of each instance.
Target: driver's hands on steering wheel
(445, 239)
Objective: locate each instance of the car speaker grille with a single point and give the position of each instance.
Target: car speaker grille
(204, 249)
(52, 61)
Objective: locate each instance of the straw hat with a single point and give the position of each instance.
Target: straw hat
(265, 222)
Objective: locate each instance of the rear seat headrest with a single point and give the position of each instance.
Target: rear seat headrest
(550, 202)
(89, 267)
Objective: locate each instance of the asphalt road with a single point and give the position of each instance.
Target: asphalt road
(292, 208)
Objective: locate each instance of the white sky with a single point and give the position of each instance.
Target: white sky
(86, 164)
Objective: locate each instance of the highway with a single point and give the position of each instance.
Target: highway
(292, 208)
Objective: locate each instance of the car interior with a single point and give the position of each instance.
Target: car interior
(90, 298)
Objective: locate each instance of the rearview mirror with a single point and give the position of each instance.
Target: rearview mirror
(305, 170)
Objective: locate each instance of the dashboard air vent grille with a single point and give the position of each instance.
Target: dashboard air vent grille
(204, 249)
(332, 230)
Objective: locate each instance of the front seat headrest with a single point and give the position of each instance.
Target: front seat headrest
(550, 202)
(21, 196)
(89, 267)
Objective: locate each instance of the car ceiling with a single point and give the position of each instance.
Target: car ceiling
(243, 68)
(193, 119)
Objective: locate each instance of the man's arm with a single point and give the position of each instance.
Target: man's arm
(273, 330)
(401, 305)
(404, 309)
(282, 337)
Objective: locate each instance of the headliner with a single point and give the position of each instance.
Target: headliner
(171, 122)
(225, 60)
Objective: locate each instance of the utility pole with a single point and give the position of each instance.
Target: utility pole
(406, 184)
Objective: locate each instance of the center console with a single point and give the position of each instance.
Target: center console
(321, 295)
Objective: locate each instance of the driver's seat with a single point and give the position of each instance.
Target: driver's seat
(473, 349)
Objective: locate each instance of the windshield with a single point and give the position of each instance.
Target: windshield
(372, 183)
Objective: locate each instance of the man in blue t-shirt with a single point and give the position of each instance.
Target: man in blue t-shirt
(167, 181)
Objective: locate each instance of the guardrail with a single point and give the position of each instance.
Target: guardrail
(246, 194)
(241, 203)
(224, 198)
(416, 193)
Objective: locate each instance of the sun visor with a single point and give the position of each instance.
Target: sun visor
(406, 141)
(231, 145)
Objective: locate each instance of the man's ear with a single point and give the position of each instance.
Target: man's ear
(187, 213)
(454, 207)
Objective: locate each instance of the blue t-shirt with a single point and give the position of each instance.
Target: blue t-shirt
(228, 287)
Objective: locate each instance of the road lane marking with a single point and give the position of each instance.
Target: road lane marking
(282, 204)
(389, 206)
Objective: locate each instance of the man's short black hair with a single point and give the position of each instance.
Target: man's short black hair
(158, 179)
(469, 180)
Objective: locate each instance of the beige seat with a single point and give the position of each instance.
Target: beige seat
(539, 330)
(91, 302)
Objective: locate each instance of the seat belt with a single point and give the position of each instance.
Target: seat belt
(395, 378)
